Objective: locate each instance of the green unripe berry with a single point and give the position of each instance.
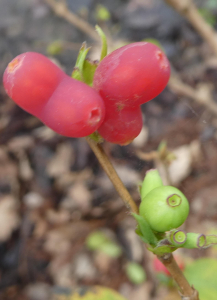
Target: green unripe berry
(164, 208)
(151, 181)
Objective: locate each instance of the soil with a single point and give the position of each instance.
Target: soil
(53, 192)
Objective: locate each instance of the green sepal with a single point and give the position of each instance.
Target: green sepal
(151, 181)
(103, 40)
(195, 240)
(89, 68)
(96, 137)
(144, 230)
(161, 250)
(78, 69)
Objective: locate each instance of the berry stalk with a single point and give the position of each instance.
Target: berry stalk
(112, 174)
(187, 292)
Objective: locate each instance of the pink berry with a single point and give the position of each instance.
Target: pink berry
(66, 105)
(74, 109)
(121, 126)
(30, 79)
(132, 74)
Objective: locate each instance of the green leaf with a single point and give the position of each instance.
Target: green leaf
(161, 250)
(89, 69)
(78, 69)
(202, 274)
(102, 13)
(86, 293)
(145, 230)
(111, 249)
(104, 42)
(135, 273)
(95, 240)
(55, 48)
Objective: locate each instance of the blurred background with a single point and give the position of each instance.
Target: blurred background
(62, 223)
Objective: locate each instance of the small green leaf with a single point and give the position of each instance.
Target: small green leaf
(202, 274)
(111, 249)
(161, 250)
(95, 240)
(102, 13)
(135, 273)
(89, 69)
(78, 69)
(145, 230)
(86, 293)
(96, 137)
(104, 42)
(55, 48)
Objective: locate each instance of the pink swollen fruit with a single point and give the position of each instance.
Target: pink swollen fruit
(132, 74)
(121, 126)
(126, 78)
(66, 105)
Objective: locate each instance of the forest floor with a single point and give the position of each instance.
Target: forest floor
(53, 192)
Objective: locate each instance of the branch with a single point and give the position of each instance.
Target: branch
(60, 8)
(190, 12)
(187, 292)
(180, 88)
(112, 174)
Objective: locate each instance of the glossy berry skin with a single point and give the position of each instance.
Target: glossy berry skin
(164, 208)
(132, 74)
(30, 79)
(121, 127)
(74, 109)
(66, 105)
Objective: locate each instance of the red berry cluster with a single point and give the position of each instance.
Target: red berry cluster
(124, 79)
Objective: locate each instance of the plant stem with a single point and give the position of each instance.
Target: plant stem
(189, 10)
(187, 292)
(112, 174)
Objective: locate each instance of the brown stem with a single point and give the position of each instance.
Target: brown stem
(189, 10)
(60, 8)
(187, 292)
(112, 174)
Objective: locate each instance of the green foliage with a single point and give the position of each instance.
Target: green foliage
(55, 48)
(202, 274)
(86, 293)
(135, 273)
(102, 13)
(99, 241)
(208, 16)
(144, 231)
(84, 68)
(95, 240)
(103, 40)
(111, 249)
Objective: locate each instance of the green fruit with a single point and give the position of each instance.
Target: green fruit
(151, 181)
(164, 208)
